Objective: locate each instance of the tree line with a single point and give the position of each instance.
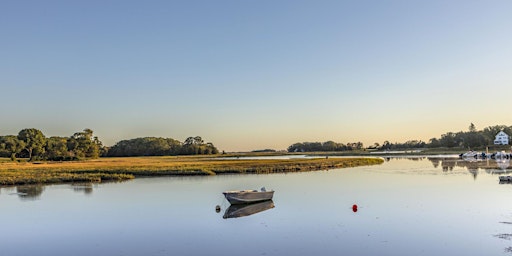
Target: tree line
(152, 146)
(327, 146)
(470, 139)
(31, 143)
(473, 138)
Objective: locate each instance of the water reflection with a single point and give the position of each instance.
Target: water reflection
(243, 210)
(435, 162)
(450, 164)
(490, 166)
(503, 164)
(505, 182)
(404, 207)
(35, 191)
(85, 188)
(29, 192)
(505, 236)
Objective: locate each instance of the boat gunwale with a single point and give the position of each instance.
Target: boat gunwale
(245, 191)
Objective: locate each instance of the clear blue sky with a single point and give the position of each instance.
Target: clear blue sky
(250, 75)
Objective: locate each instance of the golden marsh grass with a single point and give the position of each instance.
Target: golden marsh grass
(108, 169)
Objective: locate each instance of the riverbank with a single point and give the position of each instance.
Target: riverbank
(410, 152)
(117, 169)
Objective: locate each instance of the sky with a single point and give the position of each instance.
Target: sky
(248, 75)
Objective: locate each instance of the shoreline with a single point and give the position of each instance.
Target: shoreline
(126, 168)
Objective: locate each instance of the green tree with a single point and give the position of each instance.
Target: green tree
(56, 148)
(212, 148)
(472, 128)
(329, 146)
(34, 141)
(151, 146)
(11, 145)
(434, 143)
(448, 140)
(386, 145)
(84, 144)
(197, 140)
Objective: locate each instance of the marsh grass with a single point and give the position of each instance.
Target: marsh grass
(115, 169)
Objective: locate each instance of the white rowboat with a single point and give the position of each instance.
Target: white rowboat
(248, 196)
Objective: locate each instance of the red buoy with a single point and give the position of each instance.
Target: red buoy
(354, 208)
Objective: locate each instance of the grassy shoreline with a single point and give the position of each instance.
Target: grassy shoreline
(118, 169)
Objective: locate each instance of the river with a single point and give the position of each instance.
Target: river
(405, 206)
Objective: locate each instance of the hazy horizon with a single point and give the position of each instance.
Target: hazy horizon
(249, 75)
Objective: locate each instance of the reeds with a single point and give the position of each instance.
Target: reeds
(115, 169)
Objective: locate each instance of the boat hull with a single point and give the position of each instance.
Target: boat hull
(247, 196)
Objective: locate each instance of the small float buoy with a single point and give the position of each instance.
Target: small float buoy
(217, 208)
(354, 208)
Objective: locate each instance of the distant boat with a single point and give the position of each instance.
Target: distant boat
(469, 156)
(242, 210)
(501, 155)
(248, 196)
(473, 154)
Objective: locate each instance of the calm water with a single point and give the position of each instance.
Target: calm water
(405, 207)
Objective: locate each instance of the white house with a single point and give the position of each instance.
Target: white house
(501, 139)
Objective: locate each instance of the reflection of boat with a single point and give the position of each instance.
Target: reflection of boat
(242, 210)
(505, 178)
(503, 163)
(248, 196)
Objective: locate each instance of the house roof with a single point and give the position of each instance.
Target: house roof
(501, 133)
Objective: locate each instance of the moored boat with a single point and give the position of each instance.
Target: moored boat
(471, 155)
(501, 155)
(248, 196)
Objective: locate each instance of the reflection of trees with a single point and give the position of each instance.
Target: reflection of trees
(471, 166)
(30, 192)
(86, 188)
(489, 165)
(474, 172)
(448, 165)
(505, 236)
(435, 162)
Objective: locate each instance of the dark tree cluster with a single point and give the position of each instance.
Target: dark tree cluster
(268, 150)
(33, 144)
(152, 146)
(386, 145)
(324, 146)
(472, 138)
(469, 139)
